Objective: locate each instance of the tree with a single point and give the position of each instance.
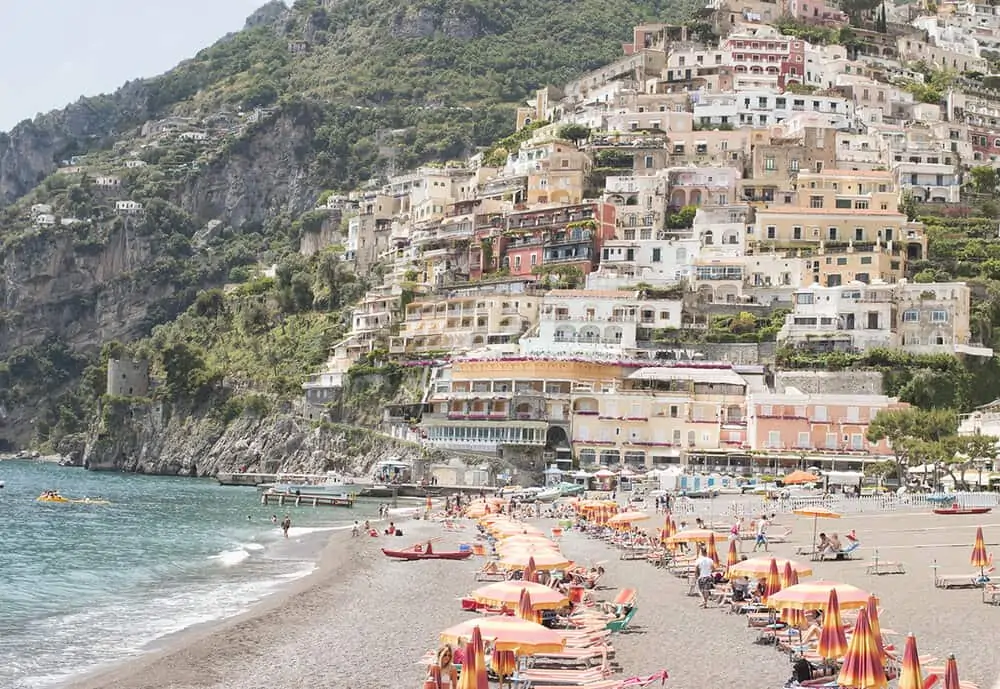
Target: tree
(185, 372)
(983, 179)
(913, 434)
(574, 132)
(966, 452)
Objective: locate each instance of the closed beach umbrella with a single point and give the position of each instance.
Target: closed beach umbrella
(786, 575)
(832, 639)
(760, 566)
(713, 551)
(951, 673)
(524, 609)
(793, 617)
(508, 634)
(732, 559)
(911, 676)
(772, 584)
(467, 680)
(864, 665)
(793, 580)
(816, 513)
(979, 557)
(875, 623)
(814, 595)
(529, 571)
(429, 504)
(480, 678)
(508, 593)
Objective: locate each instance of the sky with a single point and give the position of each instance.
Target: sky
(54, 51)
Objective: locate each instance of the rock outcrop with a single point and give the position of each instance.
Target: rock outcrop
(151, 439)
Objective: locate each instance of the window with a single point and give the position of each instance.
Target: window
(861, 205)
(771, 231)
(656, 255)
(673, 415)
(793, 165)
(803, 440)
(534, 259)
(866, 260)
(804, 298)
(774, 439)
(797, 232)
(815, 201)
(911, 316)
(859, 234)
(857, 441)
(842, 203)
(769, 163)
(517, 263)
(831, 441)
(819, 414)
(842, 261)
(648, 161)
(939, 316)
(832, 234)
(766, 410)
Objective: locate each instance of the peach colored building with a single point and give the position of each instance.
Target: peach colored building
(824, 427)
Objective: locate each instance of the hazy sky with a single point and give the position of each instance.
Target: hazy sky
(54, 51)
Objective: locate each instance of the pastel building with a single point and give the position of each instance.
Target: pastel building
(662, 415)
(822, 426)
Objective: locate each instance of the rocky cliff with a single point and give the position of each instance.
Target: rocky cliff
(153, 439)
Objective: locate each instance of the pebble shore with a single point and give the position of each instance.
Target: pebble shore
(362, 621)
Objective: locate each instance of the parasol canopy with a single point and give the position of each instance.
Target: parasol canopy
(692, 536)
(832, 639)
(760, 566)
(508, 593)
(911, 676)
(627, 518)
(815, 595)
(543, 559)
(799, 477)
(508, 634)
(772, 584)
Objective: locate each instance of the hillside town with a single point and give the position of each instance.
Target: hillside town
(611, 285)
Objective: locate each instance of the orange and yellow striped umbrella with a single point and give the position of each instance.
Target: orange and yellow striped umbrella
(692, 536)
(760, 566)
(772, 584)
(864, 664)
(524, 609)
(732, 559)
(814, 595)
(481, 679)
(508, 634)
(786, 575)
(793, 579)
(627, 518)
(793, 617)
(667, 531)
(875, 623)
(951, 673)
(979, 556)
(508, 593)
(467, 679)
(832, 639)
(911, 676)
(713, 551)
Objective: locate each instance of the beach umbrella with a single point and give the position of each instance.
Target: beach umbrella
(508, 634)
(508, 593)
(793, 579)
(713, 551)
(815, 595)
(772, 584)
(911, 676)
(793, 617)
(816, 513)
(951, 673)
(623, 518)
(786, 575)
(504, 663)
(979, 557)
(528, 539)
(760, 566)
(467, 679)
(797, 477)
(429, 503)
(864, 664)
(480, 678)
(524, 609)
(732, 559)
(529, 570)
(875, 623)
(692, 536)
(832, 639)
(540, 559)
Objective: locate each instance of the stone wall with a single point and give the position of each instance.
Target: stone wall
(748, 353)
(830, 382)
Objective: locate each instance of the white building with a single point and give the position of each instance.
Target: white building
(40, 209)
(135, 164)
(45, 220)
(128, 207)
(766, 107)
(107, 182)
(593, 322)
(928, 182)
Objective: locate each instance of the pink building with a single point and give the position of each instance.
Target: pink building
(796, 422)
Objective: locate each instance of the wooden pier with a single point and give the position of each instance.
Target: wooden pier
(282, 499)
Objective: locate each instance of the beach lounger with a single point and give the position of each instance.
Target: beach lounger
(846, 553)
(991, 594)
(531, 678)
(622, 624)
(958, 581)
(491, 572)
(881, 567)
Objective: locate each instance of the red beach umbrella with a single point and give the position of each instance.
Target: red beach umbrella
(772, 584)
(951, 673)
(480, 680)
(732, 557)
(713, 551)
(911, 675)
(504, 663)
(524, 609)
(979, 557)
(864, 666)
(786, 575)
(529, 570)
(832, 639)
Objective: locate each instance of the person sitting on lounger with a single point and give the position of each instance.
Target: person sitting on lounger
(823, 545)
(812, 626)
(835, 544)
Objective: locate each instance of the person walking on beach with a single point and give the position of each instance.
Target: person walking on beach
(704, 567)
(762, 525)
(286, 524)
(355, 530)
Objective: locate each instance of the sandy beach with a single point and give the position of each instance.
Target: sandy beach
(363, 621)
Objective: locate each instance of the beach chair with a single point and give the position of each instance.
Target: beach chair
(991, 594)
(622, 624)
(962, 581)
(533, 678)
(491, 572)
(845, 553)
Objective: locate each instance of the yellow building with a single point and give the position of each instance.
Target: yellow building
(520, 404)
(850, 218)
(464, 322)
(661, 415)
(556, 170)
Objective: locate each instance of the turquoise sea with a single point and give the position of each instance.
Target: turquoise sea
(84, 585)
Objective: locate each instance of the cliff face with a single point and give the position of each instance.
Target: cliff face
(151, 439)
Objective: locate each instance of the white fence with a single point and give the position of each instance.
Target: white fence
(730, 505)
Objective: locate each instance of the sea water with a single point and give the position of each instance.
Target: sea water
(83, 585)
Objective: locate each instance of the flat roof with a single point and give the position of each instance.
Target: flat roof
(722, 376)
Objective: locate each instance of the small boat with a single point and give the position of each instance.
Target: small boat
(71, 501)
(548, 495)
(419, 552)
(52, 498)
(567, 489)
(955, 509)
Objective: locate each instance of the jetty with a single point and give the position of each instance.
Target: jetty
(281, 499)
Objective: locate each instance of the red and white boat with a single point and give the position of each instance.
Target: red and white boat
(420, 552)
(955, 508)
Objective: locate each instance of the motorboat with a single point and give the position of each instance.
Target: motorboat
(419, 552)
(955, 508)
(567, 489)
(548, 495)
